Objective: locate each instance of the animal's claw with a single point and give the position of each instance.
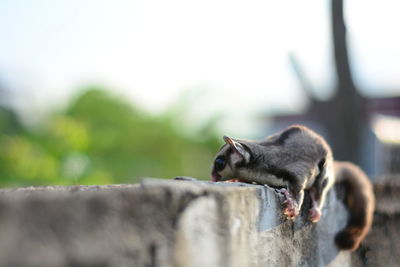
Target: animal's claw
(291, 210)
(314, 215)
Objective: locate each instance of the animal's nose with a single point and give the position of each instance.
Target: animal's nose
(215, 177)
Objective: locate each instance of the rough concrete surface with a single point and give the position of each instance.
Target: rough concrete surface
(164, 223)
(382, 247)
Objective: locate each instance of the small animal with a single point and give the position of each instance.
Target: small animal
(296, 160)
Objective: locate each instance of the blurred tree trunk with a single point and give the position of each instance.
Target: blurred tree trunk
(347, 106)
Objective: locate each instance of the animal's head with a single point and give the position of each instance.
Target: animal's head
(231, 156)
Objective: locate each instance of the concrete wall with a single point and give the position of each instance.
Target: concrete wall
(163, 223)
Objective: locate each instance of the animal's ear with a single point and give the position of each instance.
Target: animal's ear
(237, 148)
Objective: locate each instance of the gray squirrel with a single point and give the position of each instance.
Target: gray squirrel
(296, 160)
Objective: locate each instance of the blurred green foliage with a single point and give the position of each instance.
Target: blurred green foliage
(102, 139)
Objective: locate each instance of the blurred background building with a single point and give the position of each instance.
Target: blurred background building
(95, 92)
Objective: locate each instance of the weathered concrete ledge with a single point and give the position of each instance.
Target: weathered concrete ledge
(163, 223)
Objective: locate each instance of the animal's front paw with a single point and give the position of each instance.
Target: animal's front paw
(314, 214)
(291, 209)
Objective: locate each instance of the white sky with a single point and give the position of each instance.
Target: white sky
(234, 52)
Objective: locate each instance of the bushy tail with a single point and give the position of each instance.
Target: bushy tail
(360, 202)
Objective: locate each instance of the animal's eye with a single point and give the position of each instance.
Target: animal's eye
(219, 164)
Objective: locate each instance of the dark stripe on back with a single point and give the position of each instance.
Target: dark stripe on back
(286, 134)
